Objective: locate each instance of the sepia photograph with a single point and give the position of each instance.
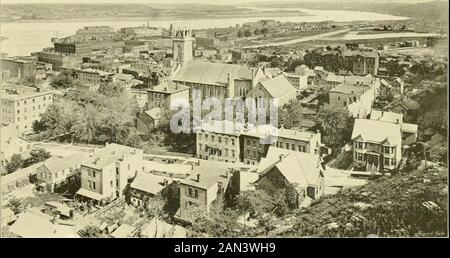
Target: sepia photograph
(243, 120)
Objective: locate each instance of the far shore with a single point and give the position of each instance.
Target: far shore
(161, 18)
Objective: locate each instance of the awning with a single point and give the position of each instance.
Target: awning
(90, 194)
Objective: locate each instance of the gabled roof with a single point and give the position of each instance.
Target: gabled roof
(211, 73)
(154, 113)
(299, 168)
(148, 183)
(278, 86)
(56, 164)
(385, 116)
(123, 231)
(377, 131)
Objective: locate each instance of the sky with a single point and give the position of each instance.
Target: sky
(182, 1)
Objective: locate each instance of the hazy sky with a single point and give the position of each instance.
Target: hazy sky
(183, 1)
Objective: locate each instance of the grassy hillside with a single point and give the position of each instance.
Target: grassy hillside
(387, 207)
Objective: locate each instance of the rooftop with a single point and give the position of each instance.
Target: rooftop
(278, 86)
(298, 168)
(56, 163)
(211, 73)
(377, 132)
(149, 183)
(385, 116)
(169, 87)
(209, 173)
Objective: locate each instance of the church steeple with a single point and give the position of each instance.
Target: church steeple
(182, 46)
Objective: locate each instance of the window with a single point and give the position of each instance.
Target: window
(111, 183)
(89, 184)
(287, 145)
(386, 161)
(93, 185)
(248, 142)
(232, 142)
(360, 156)
(386, 149)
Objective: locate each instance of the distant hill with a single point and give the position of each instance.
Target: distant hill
(436, 10)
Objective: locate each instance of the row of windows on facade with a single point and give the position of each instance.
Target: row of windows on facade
(63, 173)
(10, 110)
(212, 138)
(350, 100)
(292, 146)
(34, 100)
(212, 151)
(385, 149)
(363, 157)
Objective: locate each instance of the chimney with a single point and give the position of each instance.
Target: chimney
(398, 121)
(198, 177)
(192, 166)
(281, 157)
(382, 113)
(166, 182)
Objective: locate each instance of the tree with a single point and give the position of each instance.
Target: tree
(111, 89)
(257, 31)
(247, 33)
(16, 161)
(90, 231)
(16, 205)
(63, 80)
(155, 209)
(384, 98)
(36, 155)
(291, 115)
(336, 126)
(240, 34)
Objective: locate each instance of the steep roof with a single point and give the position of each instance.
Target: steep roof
(211, 73)
(278, 86)
(298, 168)
(377, 131)
(154, 113)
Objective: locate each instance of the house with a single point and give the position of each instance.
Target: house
(11, 143)
(278, 89)
(163, 95)
(148, 120)
(215, 79)
(58, 174)
(358, 99)
(419, 94)
(107, 173)
(255, 142)
(362, 62)
(291, 170)
(123, 231)
(161, 229)
(218, 141)
(21, 106)
(377, 145)
(409, 131)
(407, 107)
(33, 224)
(145, 186)
(398, 86)
(19, 178)
(209, 185)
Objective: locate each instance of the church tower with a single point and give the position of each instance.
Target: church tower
(182, 46)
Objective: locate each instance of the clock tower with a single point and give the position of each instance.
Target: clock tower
(182, 46)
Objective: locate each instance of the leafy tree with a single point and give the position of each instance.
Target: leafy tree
(336, 126)
(16, 161)
(257, 31)
(16, 205)
(383, 99)
(111, 89)
(247, 33)
(90, 231)
(240, 34)
(182, 142)
(217, 223)
(291, 115)
(36, 155)
(63, 80)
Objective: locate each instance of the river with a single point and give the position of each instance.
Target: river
(25, 38)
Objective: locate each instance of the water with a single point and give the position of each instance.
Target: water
(25, 38)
